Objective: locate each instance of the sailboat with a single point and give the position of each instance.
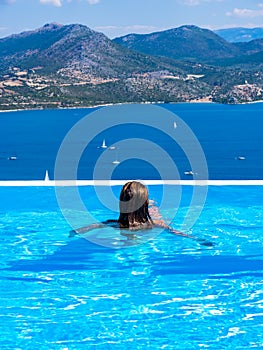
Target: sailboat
(116, 161)
(189, 172)
(103, 144)
(46, 176)
(12, 157)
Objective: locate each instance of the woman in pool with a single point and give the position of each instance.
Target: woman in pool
(135, 213)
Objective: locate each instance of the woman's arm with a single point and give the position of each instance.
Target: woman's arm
(162, 224)
(90, 227)
(159, 222)
(85, 229)
(202, 241)
(154, 211)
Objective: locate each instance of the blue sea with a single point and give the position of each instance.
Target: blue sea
(229, 135)
(150, 290)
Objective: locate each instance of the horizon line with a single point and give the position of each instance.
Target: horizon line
(73, 183)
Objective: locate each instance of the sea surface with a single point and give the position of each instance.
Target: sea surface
(230, 136)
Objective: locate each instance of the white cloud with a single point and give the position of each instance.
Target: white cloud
(115, 31)
(237, 12)
(93, 2)
(191, 2)
(138, 28)
(57, 3)
(196, 2)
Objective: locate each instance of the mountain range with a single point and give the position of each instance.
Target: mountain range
(192, 43)
(240, 34)
(73, 65)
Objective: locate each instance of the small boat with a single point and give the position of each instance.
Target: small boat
(175, 125)
(12, 158)
(241, 158)
(111, 148)
(103, 144)
(46, 176)
(189, 172)
(116, 162)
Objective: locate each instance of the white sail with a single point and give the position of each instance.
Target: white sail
(46, 176)
(103, 144)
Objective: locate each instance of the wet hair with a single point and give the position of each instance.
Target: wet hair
(133, 205)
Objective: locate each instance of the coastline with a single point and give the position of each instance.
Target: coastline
(59, 108)
(126, 103)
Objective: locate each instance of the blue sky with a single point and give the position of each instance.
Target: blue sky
(119, 17)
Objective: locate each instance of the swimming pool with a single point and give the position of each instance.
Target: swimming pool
(61, 292)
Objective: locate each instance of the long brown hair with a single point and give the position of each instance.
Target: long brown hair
(133, 205)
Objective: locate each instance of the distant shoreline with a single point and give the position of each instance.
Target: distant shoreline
(127, 103)
(59, 108)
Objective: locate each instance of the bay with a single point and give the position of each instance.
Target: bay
(230, 135)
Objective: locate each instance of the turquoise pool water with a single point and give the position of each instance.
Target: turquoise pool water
(171, 292)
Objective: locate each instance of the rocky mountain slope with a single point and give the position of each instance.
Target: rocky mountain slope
(73, 47)
(185, 42)
(191, 43)
(72, 65)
